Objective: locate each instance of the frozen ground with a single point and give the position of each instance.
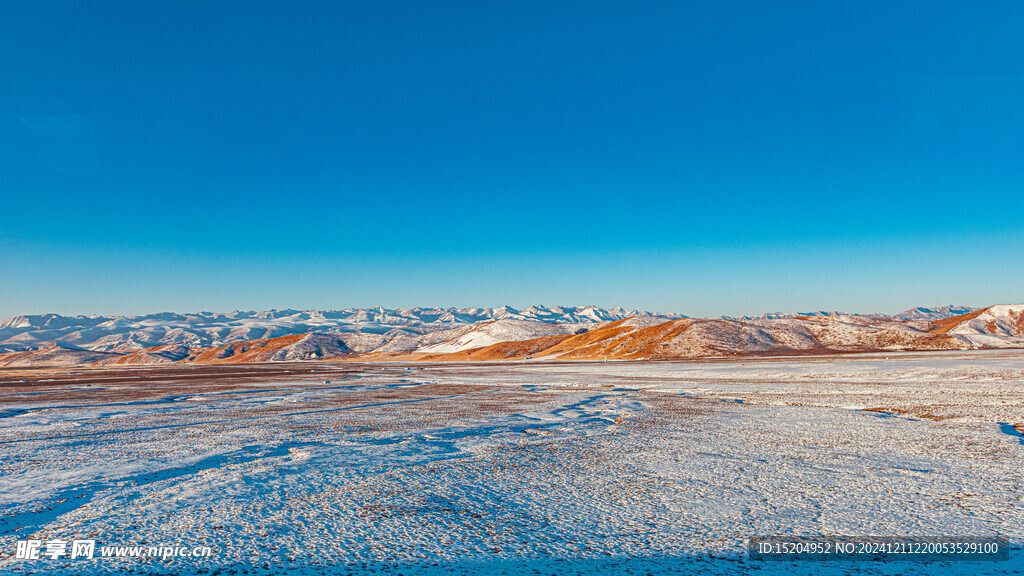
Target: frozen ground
(584, 468)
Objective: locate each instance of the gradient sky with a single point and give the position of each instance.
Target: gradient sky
(705, 158)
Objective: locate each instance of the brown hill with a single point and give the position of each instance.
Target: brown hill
(946, 324)
(168, 354)
(245, 351)
(54, 356)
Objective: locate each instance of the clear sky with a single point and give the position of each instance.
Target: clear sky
(706, 158)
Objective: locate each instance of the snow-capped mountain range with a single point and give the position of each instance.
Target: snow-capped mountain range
(451, 334)
(936, 313)
(370, 327)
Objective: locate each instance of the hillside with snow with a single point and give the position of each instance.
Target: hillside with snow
(992, 327)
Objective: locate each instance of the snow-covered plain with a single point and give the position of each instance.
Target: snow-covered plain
(509, 468)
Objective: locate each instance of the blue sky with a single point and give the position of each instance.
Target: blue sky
(705, 158)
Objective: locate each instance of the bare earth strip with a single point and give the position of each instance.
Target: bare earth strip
(566, 468)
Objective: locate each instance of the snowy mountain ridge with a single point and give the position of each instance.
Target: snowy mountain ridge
(933, 313)
(209, 329)
(483, 334)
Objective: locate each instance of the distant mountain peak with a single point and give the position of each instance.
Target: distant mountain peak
(934, 312)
